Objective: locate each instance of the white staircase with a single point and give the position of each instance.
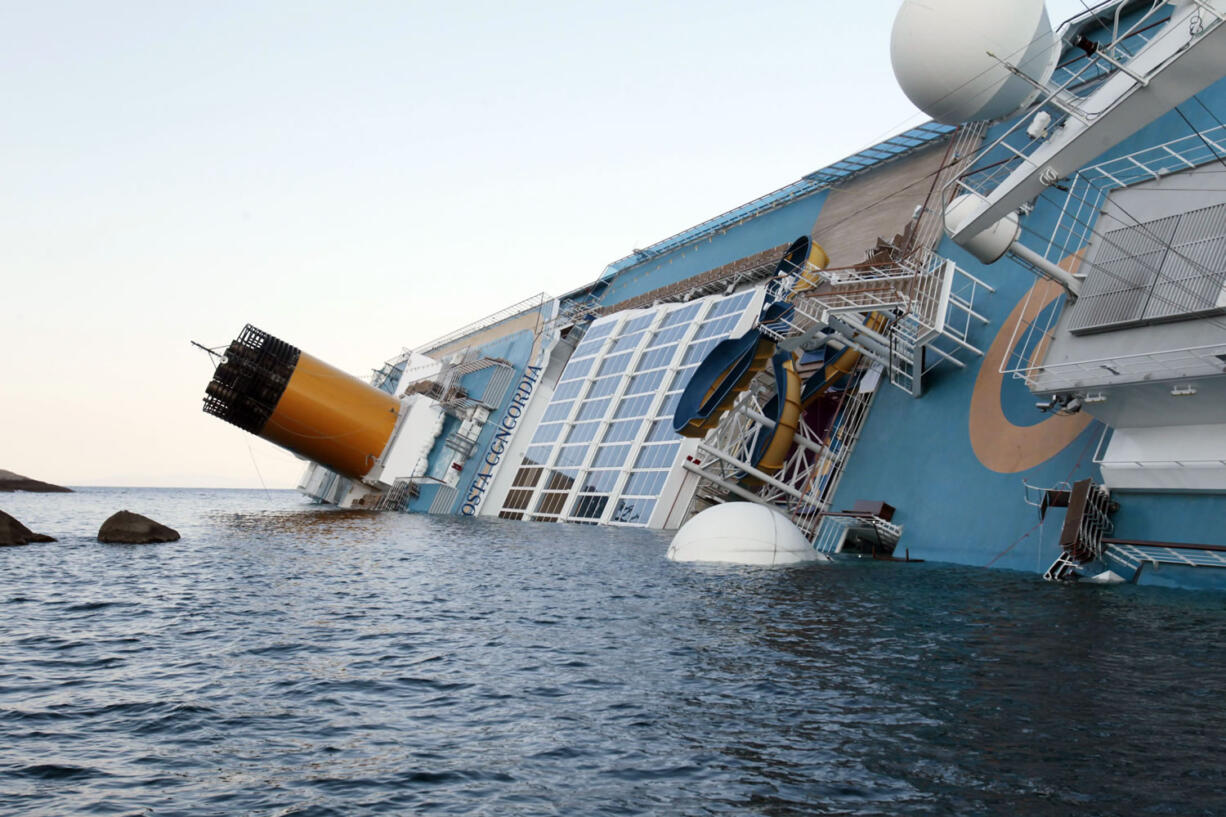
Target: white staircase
(928, 302)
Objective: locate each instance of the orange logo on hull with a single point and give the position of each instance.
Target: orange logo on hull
(999, 444)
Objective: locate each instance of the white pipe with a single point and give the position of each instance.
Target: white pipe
(1047, 268)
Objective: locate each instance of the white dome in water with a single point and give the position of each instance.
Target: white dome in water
(940, 51)
(742, 533)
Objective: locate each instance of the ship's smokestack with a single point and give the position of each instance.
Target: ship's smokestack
(276, 391)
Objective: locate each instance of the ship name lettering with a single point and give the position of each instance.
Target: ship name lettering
(502, 437)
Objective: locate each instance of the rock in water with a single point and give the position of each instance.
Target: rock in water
(16, 482)
(127, 528)
(13, 533)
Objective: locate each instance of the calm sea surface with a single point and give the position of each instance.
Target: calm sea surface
(287, 660)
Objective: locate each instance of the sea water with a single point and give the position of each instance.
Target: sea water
(283, 659)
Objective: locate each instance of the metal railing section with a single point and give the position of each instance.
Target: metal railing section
(1136, 556)
(1171, 364)
(1083, 73)
(1089, 188)
(930, 300)
(832, 529)
(1061, 97)
(526, 305)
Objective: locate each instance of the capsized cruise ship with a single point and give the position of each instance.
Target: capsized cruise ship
(995, 339)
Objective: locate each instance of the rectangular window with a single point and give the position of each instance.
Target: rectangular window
(571, 455)
(667, 337)
(697, 352)
(645, 383)
(634, 406)
(681, 378)
(568, 391)
(615, 365)
(527, 477)
(537, 454)
(592, 410)
(557, 411)
(547, 433)
(561, 480)
(584, 432)
(599, 482)
(551, 503)
(661, 431)
(622, 431)
(603, 387)
(669, 408)
(684, 315)
(645, 483)
(656, 455)
(656, 358)
(517, 500)
(610, 456)
(625, 343)
(598, 331)
(577, 369)
(638, 324)
(633, 511)
(590, 507)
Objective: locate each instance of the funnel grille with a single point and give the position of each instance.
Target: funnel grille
(250, 379)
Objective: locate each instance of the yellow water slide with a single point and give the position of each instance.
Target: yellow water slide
(731, 366)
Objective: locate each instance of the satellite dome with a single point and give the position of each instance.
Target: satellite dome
(947, 56)
(742, 533)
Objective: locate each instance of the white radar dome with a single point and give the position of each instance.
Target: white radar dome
(742, 533)
(948, 56)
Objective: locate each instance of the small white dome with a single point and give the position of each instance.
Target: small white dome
(940, 52)
(742, 533)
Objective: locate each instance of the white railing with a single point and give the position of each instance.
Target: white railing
(935, 296)
(1137, 555)
(1024, 161)
(1061, 95)
(1089, 188)
(1170, 364)
(1086, 198)
(527, 304)
(833, 527)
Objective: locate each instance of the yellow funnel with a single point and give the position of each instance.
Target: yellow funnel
(275, 391)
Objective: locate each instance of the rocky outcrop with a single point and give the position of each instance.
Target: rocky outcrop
(14, 533)
(16, 482)
(127, 528)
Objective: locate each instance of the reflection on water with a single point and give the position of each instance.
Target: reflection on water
(287, 659)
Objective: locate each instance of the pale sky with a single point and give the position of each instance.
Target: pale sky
(360, 177)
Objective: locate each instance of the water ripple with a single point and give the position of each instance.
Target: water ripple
(285, 660)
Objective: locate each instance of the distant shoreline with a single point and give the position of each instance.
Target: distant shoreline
(11, 482)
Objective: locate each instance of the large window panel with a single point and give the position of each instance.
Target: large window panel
(606, 428)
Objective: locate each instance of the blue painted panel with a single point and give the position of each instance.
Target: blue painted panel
(1171, 517)
(487, 455)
